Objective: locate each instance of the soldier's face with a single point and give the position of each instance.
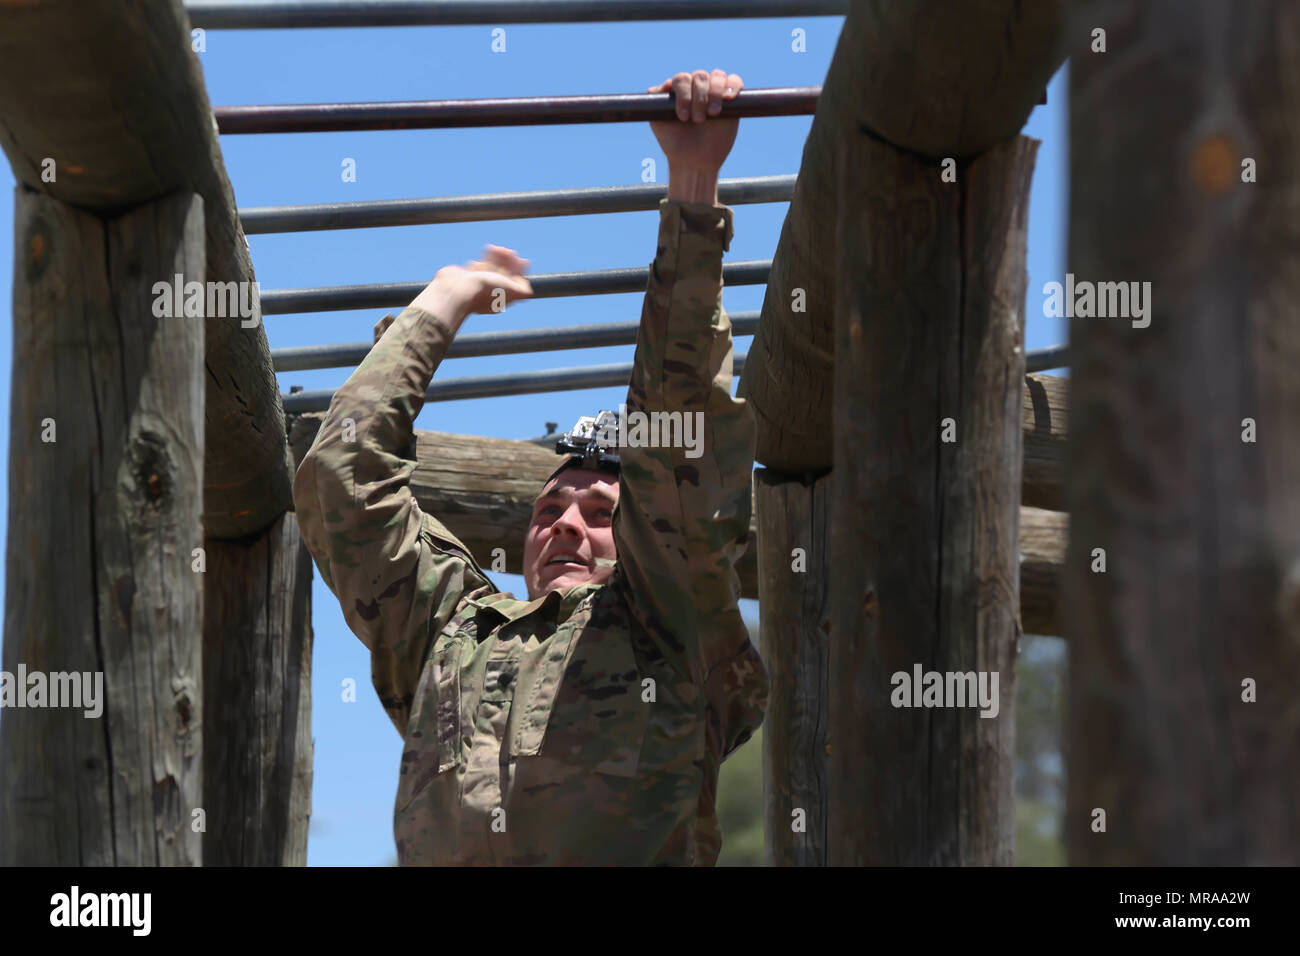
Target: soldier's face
(571, 527)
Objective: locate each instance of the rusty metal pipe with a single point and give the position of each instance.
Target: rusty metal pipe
(505, 111)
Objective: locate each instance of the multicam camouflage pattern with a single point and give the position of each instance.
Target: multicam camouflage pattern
(587, 726)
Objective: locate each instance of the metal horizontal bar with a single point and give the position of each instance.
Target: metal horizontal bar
(492, 386)
(505, 111)
(547, 285)
(478, 344)
(491, 206)
(563, 379)
(245, 15)
(1054, 356)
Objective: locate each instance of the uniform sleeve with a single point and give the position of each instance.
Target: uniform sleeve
(682, 518)
(397, 572)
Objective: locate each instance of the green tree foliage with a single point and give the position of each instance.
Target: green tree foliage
(1040, 772)
(740, 805)
(1040, 769)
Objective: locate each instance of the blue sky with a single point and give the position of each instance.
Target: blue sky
(357, 748)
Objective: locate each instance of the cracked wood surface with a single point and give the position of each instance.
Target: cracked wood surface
(112, 93)
(105, 458)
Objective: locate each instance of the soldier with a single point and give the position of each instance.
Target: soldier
(587, 724)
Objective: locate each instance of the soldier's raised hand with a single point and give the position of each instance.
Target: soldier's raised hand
(699, 139)
(484, 286)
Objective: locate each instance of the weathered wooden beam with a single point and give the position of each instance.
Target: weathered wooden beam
(925, 578)
(1044, 411)
(1184, 728)
(257, 763)
(1043, 538)
(105, 460)
(794, 574)
(483, 490)
(987, 63)
(105, 108)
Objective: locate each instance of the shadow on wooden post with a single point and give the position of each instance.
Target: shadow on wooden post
(257, 641)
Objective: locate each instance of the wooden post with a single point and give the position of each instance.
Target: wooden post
(105, 506)
(987, 64)
(793, 591)
(929, 366)
(257, 641)
(1184, 458)
(118, 117)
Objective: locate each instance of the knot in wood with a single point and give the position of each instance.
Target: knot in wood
(870, 604)
(183, 701)
(37, 244)
(152, 470)
(1214, 164)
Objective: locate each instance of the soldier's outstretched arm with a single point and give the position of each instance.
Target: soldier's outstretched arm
(398, 572)
(683, 513)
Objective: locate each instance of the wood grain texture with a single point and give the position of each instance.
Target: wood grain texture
(986, 63)
(103, 520)
(1044, 536)
(795, 625)
(925, 540)
(257, 640)
(112, 93)
(1200, 529)
(1045, 412)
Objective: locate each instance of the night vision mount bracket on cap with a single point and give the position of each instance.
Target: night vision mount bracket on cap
(592, 443)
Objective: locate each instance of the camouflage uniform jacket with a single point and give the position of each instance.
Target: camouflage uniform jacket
(587, 726)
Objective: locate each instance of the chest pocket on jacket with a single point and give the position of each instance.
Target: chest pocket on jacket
(585, 709)
(434, 731)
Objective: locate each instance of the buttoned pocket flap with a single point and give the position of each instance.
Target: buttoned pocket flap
(595, 717)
